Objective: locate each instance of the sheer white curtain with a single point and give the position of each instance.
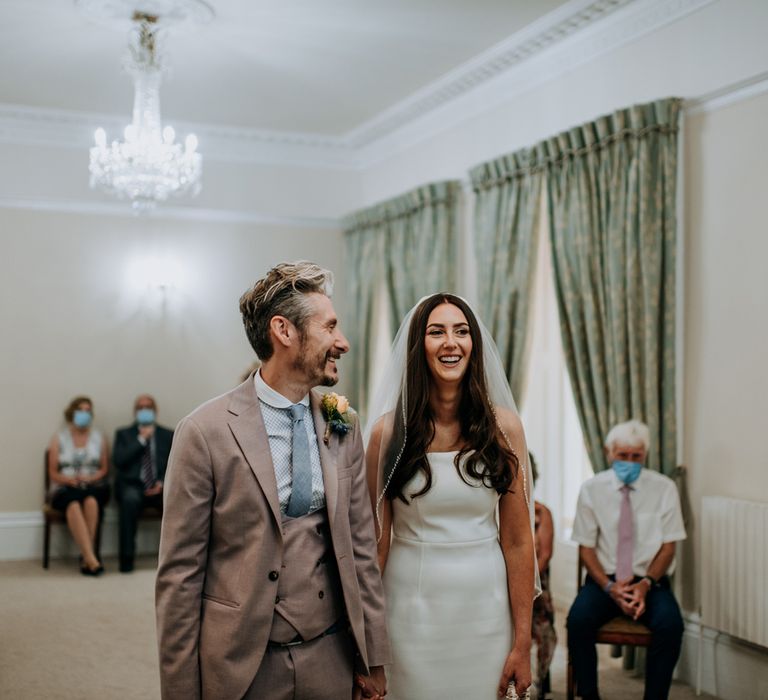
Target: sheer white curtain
(381, 342)
(548, 412)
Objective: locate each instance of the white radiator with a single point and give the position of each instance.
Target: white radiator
(734, 568)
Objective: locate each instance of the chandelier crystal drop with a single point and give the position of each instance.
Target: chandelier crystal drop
(149, 165)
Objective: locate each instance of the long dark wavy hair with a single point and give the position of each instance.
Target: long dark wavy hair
(488, 458)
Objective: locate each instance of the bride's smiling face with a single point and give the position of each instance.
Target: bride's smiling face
(447, 343)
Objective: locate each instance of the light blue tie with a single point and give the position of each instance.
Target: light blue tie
(301, 489)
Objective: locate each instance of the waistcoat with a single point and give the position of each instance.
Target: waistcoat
(309, 597)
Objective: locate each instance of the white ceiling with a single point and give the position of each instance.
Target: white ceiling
(311, 66)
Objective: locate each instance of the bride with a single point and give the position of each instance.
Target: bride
(447, 470)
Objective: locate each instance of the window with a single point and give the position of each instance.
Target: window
(548, 410)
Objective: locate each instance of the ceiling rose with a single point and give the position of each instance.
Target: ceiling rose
(169, 13)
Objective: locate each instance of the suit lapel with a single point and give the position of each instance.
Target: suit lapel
(247, 425)
(328, 456)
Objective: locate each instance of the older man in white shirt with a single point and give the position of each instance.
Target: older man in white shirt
(628, 520)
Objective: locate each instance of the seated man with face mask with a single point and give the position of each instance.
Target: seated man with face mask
(140, 456)
(628, 520)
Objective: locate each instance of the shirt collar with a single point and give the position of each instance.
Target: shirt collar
(271, 397)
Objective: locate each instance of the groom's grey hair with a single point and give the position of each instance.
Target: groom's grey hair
(282, 292)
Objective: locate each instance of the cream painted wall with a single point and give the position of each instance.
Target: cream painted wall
(726, 294)
(77, 318)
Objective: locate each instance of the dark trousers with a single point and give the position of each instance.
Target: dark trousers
(593, 608)
(132, 501)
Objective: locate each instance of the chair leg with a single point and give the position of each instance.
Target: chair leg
(628, 658)
(569, 679)
(97, 539)
(46, 542)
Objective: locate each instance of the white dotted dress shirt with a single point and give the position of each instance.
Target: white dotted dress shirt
(656, 517)
(275, 409)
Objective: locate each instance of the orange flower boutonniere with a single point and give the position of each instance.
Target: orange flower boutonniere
(337, 413)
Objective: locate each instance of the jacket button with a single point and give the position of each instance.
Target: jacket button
(277, 599)
(273, 575)
(321, 595)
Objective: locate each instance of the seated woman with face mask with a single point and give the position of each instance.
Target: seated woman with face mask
(77, 467)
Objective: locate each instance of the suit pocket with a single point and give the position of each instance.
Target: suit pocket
(220, 601)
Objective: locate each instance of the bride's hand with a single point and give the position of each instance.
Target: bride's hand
(373, 686)
(517, 670)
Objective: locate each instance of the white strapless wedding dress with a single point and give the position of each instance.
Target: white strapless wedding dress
(446, 586)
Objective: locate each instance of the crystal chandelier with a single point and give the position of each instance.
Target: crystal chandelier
(149, 165)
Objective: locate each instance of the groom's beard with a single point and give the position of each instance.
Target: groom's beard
(313, 364)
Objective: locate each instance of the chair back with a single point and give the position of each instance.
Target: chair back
(46, 474)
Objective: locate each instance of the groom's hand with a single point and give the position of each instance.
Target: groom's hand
(373, 686)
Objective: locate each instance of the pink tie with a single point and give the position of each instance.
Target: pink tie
(626, 537)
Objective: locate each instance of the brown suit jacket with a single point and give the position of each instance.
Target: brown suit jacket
(221, 543)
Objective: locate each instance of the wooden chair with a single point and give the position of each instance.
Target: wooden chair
(51, 516)
(621, 630)
(150, 513)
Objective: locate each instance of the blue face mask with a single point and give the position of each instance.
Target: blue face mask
(145, 416)
(627, 471)
(82, 419)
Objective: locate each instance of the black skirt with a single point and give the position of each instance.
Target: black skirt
(69, 494)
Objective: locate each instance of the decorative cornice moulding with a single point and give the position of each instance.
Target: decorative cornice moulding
(179, 213)
(539, 36)
(575, 33)
(632, 21)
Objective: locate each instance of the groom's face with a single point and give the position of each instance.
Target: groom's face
(322, 343)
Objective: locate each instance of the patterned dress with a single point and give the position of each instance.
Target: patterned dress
(543, 628)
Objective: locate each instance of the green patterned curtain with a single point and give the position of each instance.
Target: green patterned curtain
(362, 247)
(410, 243)
(507, 192)
(421, 241)
(611, 195)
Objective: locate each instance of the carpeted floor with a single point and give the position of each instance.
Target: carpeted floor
(64, 636)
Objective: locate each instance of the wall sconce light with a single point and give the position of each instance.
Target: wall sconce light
(155, 273)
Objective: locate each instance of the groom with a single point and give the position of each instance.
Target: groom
(268, 586)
